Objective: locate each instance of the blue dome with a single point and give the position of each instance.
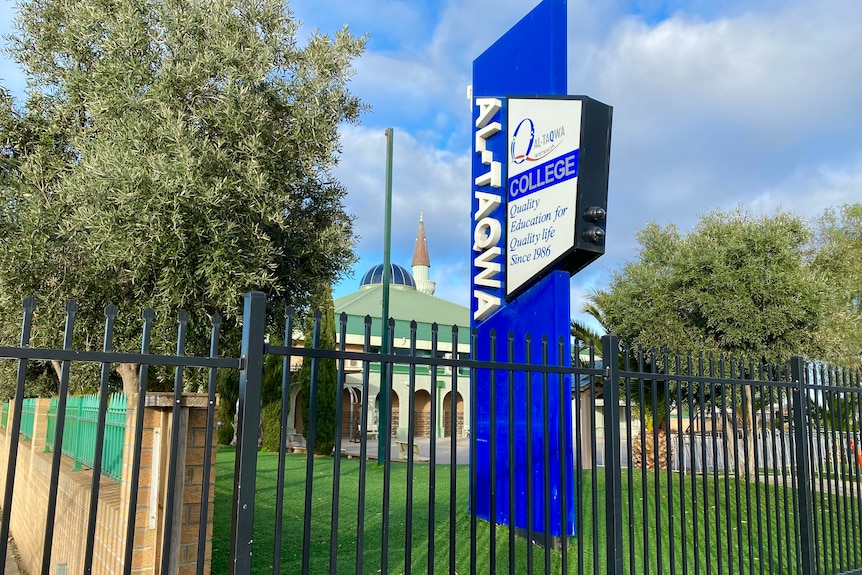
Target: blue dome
(398, 275)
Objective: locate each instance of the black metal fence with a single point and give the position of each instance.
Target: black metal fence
(745, 467)
(681, 465)
(24, 353)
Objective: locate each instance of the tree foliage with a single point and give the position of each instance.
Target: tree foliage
(272, 380)
(736, 284)
(837, 256)
(171, 155)
(326, 425)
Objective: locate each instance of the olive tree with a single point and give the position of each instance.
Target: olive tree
(735, 285)
(171, 155)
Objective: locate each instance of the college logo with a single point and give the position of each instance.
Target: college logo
(527, 147)
(522, 141)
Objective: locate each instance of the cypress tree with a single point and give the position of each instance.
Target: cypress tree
(327, 373)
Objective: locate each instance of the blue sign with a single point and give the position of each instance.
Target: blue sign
(540, 177)
(542, 428)
(489, 208)
(528, 59)
(556, 186)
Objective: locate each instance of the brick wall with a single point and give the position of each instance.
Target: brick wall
(32, 479)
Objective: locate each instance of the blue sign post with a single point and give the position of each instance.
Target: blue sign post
(540, 166)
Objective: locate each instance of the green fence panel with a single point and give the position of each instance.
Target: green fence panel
(79, 435)
(71, 430)
(115, 435)
(52, 424)
(28, 411)
(87, 418)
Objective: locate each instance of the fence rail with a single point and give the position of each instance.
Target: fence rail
(679, 464)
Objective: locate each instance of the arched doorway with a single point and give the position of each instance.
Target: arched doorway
(447, 415)
(422, 414)
(351, 412)
(351, 406)
(394, 418)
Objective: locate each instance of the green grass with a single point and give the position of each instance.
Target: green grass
(705, 523)
(321, 519)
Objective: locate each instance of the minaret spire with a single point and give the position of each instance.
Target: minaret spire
(421, 261)
(420, 250)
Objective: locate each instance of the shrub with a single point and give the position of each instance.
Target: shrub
(225, 434)
(271, 416)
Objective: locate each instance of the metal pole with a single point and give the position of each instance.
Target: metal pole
(803, 472)
(14, 428)
(248, 420)
(613, 477)
(383, 425)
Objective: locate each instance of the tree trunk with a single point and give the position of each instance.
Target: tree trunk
(58, 366)
(646, 453)
(131, 375)
(728, 434)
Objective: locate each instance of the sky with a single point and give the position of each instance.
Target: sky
(722, 104)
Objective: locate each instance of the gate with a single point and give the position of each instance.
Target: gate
(754, 469)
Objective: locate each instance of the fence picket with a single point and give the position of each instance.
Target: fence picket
(749, 467)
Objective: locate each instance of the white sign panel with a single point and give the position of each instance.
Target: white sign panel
(544, 141)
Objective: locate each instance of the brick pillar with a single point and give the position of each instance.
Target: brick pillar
(144, 554)
(152, 489)
(196, 446)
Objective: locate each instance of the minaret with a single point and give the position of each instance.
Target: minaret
(421, 263)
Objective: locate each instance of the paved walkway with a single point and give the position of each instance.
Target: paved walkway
(444, 450)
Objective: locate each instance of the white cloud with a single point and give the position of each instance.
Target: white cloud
(745, 102)
(810, 193)
(756, 107)
(426, 180)
(770, 78)
(398, 88)
(759, 109)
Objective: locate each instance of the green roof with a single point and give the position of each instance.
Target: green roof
(405, 304)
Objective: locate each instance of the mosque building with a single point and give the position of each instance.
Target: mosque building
(411, 297)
